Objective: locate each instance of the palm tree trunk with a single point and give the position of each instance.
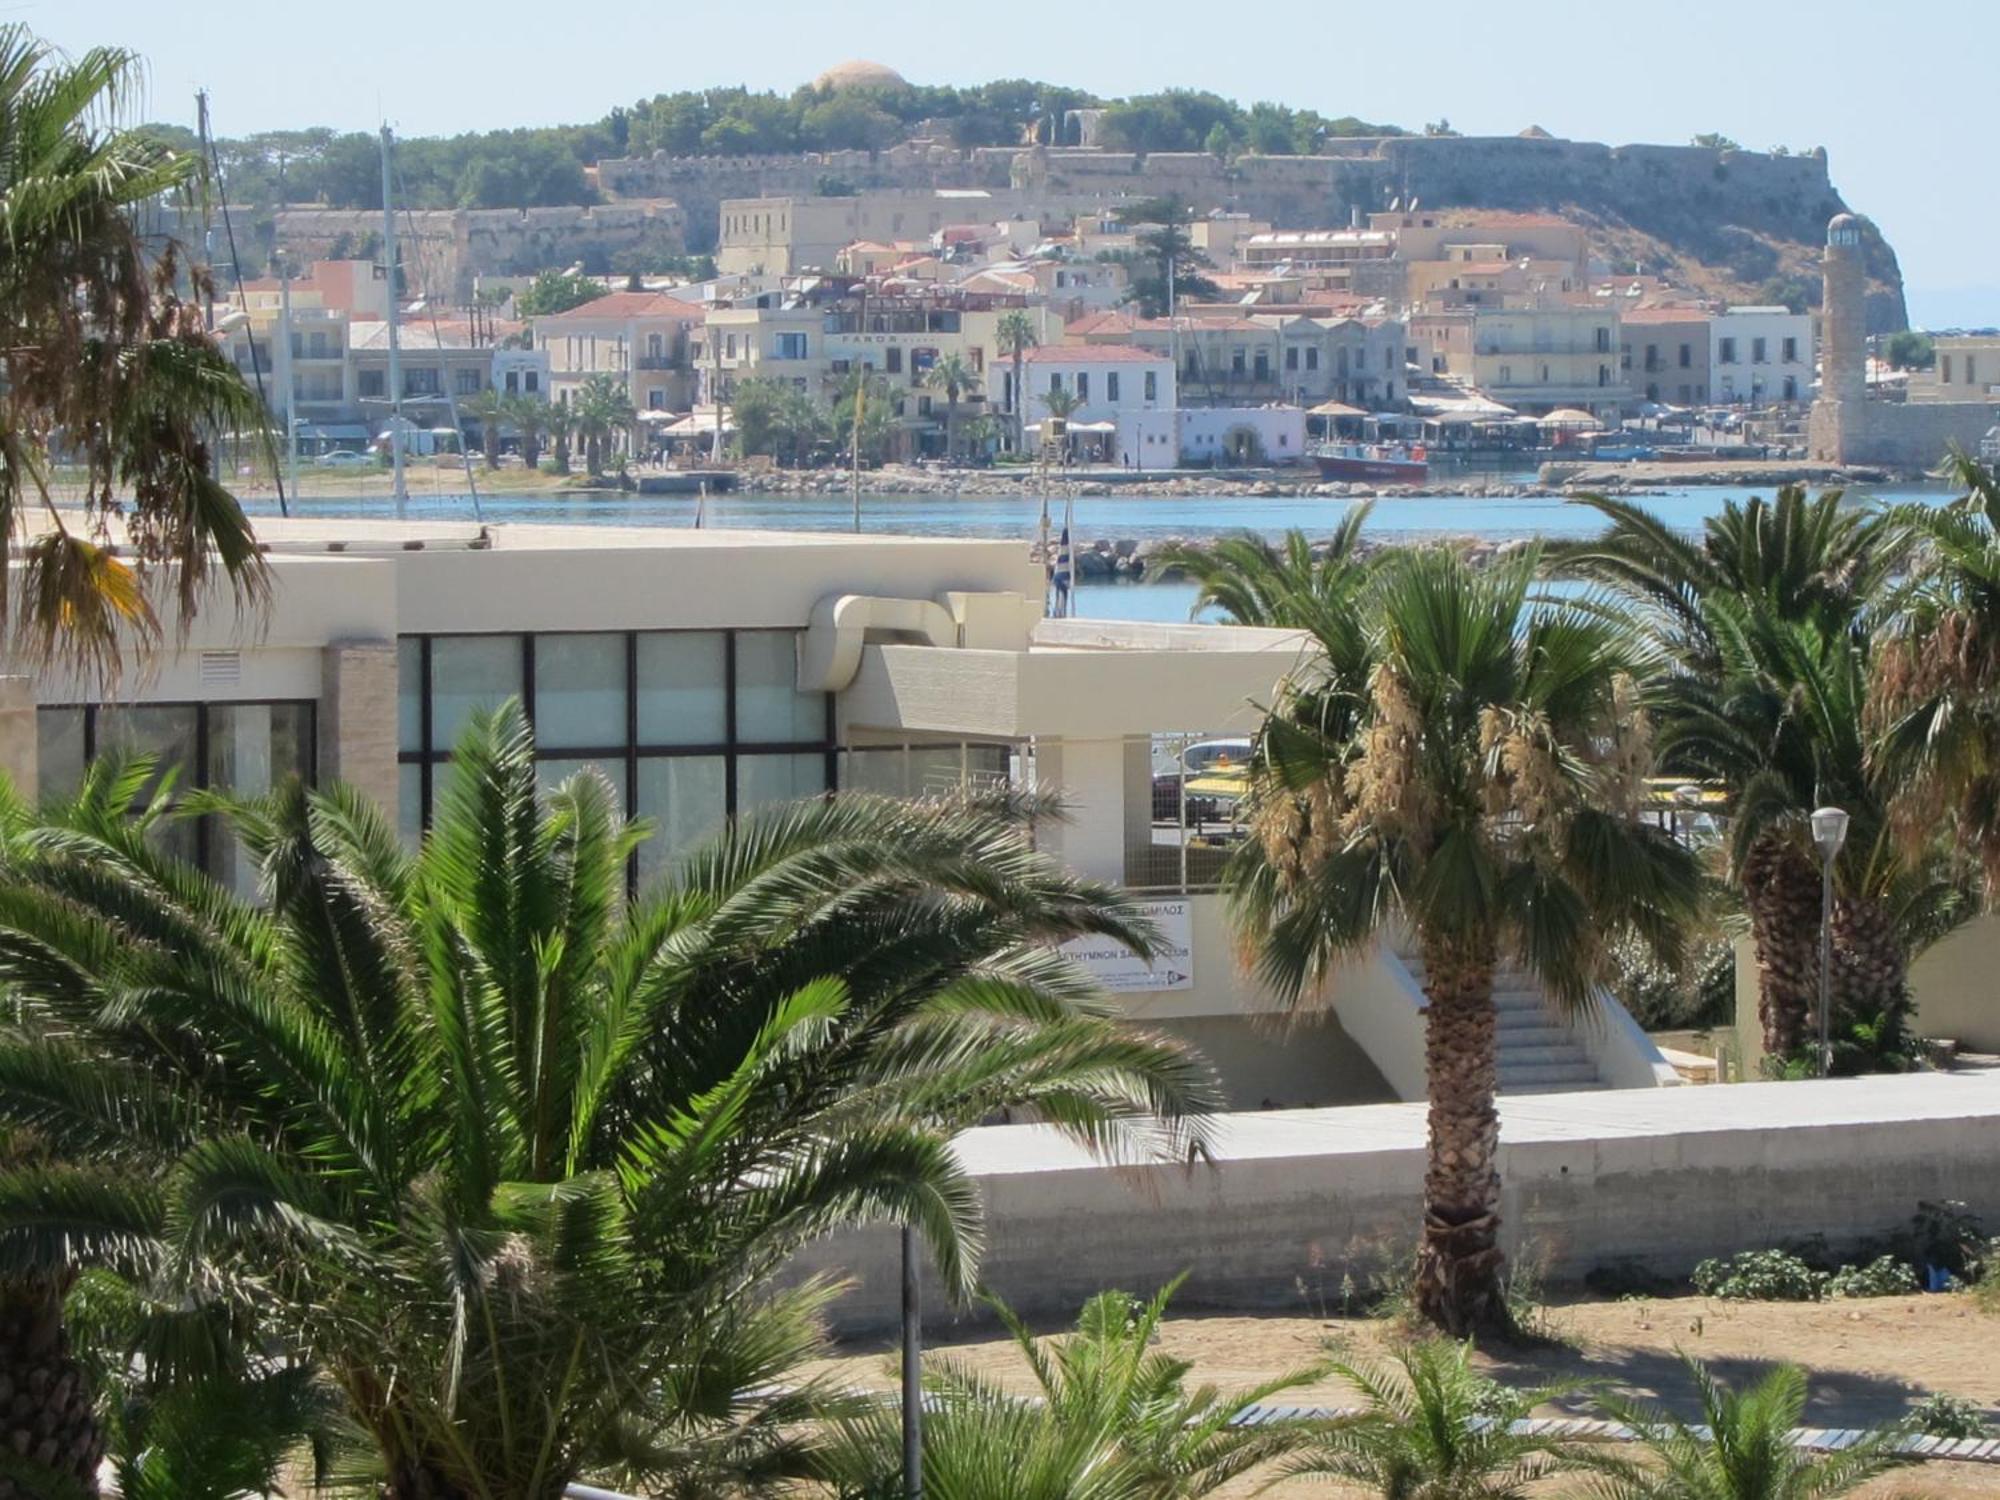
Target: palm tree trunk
(1459, 1259)
(489, 439)
(1020, 408)
(1781, 893)
(1871, 972)
(47, 1417)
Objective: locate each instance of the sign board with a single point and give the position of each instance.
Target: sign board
(1123, 972)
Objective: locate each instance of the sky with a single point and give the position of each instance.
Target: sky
(1850, 75)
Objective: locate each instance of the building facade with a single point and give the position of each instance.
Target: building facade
(1761, 356)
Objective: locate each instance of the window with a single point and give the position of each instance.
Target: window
(893, 357)
(532, 382)
(1506, 375)
(1111, 386)
(424, 382)
(656, 399)
(1757, 352)
(1312, 357)
(1791, 387)
(1790, 351)
(1238, 362)
(729, 347)
(1727, 354)
(465, 382)
(1055, 380)
(1944, 369)
(1971, 370)
(248, 748)
(687, 726)
(1292, 357)
(1687, 356)
(1603, 340)
(374, 385)
(1083, 385)
(513, 382)
(791, 346)
(1152, 385)
(1604, 374)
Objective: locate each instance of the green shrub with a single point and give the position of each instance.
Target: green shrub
(1946, 1416)
(1885, 1276)
(1760, 1276)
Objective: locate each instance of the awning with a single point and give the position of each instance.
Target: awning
(1470, 408)
(697, 424)
(1335, 409)
(1568, 416)
(1093, 427)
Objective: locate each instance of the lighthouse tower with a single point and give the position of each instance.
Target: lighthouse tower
(1838, 416)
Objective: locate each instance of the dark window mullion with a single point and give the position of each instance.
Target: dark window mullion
(204, 826)
(729, 726)
(424, 731)
(528, 684)
(632, 751)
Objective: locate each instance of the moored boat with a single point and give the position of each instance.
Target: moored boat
(1372, 461)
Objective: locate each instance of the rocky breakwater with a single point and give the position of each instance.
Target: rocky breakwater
(1152, 560)
(1614, 478)
(1010, 483)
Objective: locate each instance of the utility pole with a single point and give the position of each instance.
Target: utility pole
(860, 400)
(399, 489)
(285, 342)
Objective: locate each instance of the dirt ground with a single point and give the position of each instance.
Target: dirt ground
(1868, 1359)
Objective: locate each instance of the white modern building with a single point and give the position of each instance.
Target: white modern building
(705, 672)
(1760, 356)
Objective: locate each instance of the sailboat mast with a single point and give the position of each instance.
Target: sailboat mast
(400, 489)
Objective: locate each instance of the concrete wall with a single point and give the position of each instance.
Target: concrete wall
(1956, 988)
(1297, 1197)
(1914, 435)
(1270, 1062)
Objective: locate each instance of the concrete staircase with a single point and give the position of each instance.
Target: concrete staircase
(1540, 1053)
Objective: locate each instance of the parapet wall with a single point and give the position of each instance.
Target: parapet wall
(1914, 436)
(1296, 1199)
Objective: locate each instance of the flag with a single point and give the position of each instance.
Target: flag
(1064, 577)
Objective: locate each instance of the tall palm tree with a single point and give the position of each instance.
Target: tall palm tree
(1433, 1428)
(1766, 626)
(1481, 791)
(491, 408)
(1016, 332)
(954, 377)
(1106, 1399)
(1936, 692)
(1741, 1449)
(103, 364)
(529, 416)
(603, 411)
(501, 1151)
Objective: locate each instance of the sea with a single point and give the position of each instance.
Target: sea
(1113, 517)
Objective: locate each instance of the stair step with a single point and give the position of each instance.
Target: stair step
(1595, 1085)
(1527, 1038)
(1550, 1074)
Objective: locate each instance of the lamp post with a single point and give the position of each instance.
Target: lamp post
(1829, 831)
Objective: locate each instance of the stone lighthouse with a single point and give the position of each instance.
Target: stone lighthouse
(1838, 416)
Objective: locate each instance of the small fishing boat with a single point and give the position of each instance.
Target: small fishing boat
(1395, 465)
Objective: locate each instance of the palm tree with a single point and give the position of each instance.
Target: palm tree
(1936, 690)
(1434, 1428)
(1479, 787)
(1106, 1398)
(1296, 586)
(603, 410)
(500, 1151)
(529, 416)
(491, 408)
(1766, 625)
(1742, 1447)
(954, 377)
(561, 423)
(1061, 403)
(101, 356)
(1016, 332)
(872, 391)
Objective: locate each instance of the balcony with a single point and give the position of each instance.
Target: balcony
(658, 362)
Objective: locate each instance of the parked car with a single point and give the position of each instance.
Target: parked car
(344, 458)
(1215, 771)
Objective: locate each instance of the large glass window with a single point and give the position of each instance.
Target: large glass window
(690, 727)
(245, 748)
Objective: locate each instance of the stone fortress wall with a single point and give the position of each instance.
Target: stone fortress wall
(443, 249)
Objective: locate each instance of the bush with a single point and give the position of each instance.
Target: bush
(1885, 1276)
(1947, 1416)
(1760, 1276)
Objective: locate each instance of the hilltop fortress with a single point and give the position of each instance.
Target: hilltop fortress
(1750, 215)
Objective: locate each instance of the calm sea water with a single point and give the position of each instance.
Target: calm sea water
(1141, 517)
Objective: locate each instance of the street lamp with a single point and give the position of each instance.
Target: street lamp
(1829, 831)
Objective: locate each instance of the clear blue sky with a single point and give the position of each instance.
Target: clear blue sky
(1851, 75)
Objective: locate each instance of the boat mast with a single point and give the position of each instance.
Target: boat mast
(400, 489)
(290, 379)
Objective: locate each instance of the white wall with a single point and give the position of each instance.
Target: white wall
(1747, 379)
(1281, 431)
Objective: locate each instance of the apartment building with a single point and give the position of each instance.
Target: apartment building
(1965, 367)
(1664, 353)
(1533, 359)
(641, 337)
(790, 235)
(1761, 355)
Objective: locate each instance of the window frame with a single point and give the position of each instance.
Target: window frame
(730, 749)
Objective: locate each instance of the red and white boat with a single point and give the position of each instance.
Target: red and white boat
(1393, 465)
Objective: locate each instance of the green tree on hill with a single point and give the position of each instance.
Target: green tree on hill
(555, 292)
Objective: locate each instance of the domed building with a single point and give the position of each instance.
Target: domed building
(859, 74)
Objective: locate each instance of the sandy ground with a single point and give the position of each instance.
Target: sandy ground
(1867, 1359)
